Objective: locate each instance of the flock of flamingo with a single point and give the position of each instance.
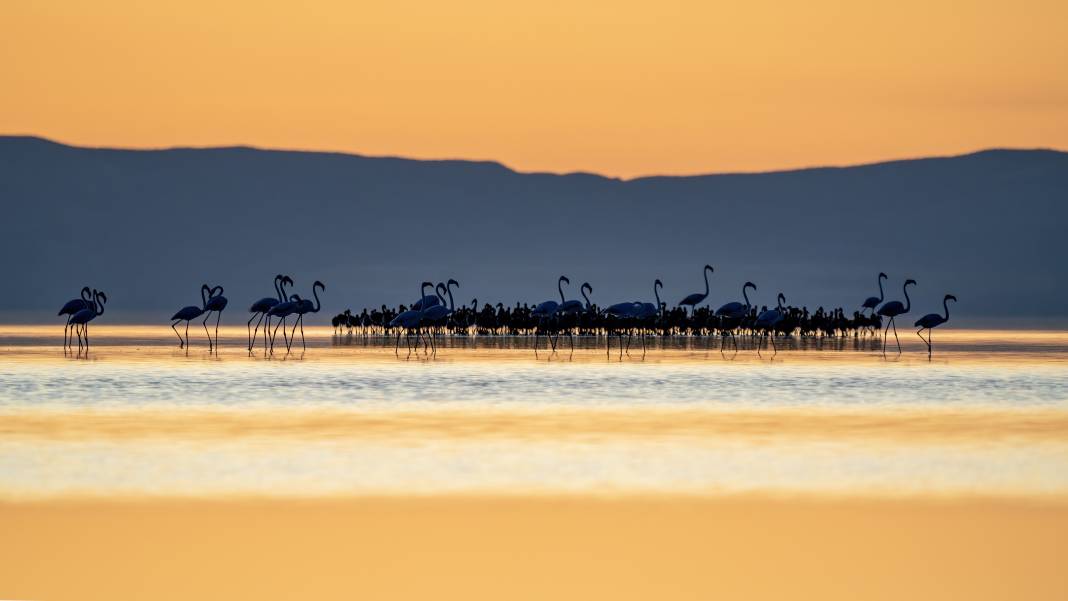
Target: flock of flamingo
(436, 314)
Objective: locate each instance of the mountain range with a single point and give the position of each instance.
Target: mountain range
(150, 226)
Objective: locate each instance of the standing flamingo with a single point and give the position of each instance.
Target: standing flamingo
(261, 307)
(697, 298)
(873, 301)
(281, 311)
(546, 311)
(70, 308)
(892, 309)
(410, 320)
(767, 320)
(84, 316)
(933, 320)
(305, 306)
(732, 314)
(188, 314)
(216, 303)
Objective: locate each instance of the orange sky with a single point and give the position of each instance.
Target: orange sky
(617, 87)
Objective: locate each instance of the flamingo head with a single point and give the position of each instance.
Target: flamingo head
(907, 282)
(950, 297)
(586, 286)
(709, 268)
(87, 294)
(452, 282)
(319, 284)
(782, 298)
(658, 283)
(564, 279)
(882, 276)
(749, 285)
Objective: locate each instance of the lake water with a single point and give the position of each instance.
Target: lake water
(986, 415)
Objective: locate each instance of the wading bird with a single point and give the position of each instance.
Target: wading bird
(410, 320)
(892, 309)
(305, 306)
(188, 314)
(73, 306)
(931, 321)
(260, 308)
(873, 301)
(83, 317)
(732, 314)
(545, 311)
(216, 303)
(697, 298)
(768, 320)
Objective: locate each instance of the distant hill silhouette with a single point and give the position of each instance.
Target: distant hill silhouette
(151, 226)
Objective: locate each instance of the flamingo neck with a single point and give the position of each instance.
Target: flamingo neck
(318, 304)
(560, 289)
(881, 295)
(945, 305)
(908, 301)
(706, 283)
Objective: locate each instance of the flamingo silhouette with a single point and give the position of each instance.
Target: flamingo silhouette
(697, 298)
(215, 302)
(410, 320)
(280, 312)
(767, 320)
(305, 306)
(873, 301)
(260, 308)
(84, 316)
(70, 308)
(892, 309)
(545, 311)
(188, 314)
(931, 321)
(732, 314)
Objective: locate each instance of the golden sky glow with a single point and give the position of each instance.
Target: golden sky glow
(617, 87)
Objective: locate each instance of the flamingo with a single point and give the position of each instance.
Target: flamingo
(410, 320)
(261, 307)
(627, 312)
(188, 314)
(767, 320)
(216, 302)
(892, 309)
(873, 301)
(281, 311)
(933, 320)
(697, 298)
(71, 307)
(305, 306)
(84, 316)
(732, 314)
(573, 307)
(546, 310)
(438, 314)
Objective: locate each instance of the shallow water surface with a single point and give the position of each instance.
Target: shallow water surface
(987, 414)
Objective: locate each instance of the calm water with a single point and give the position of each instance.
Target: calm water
(987, 415)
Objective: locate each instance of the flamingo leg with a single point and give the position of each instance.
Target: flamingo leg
(896, 339)
(885, 331)
(86, 326)
(926, 341)
(174, 326)
(206, 331)
(187, 334)
(218, 317)
(250, 334)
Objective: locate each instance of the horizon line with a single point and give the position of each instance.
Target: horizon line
(535, 172)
